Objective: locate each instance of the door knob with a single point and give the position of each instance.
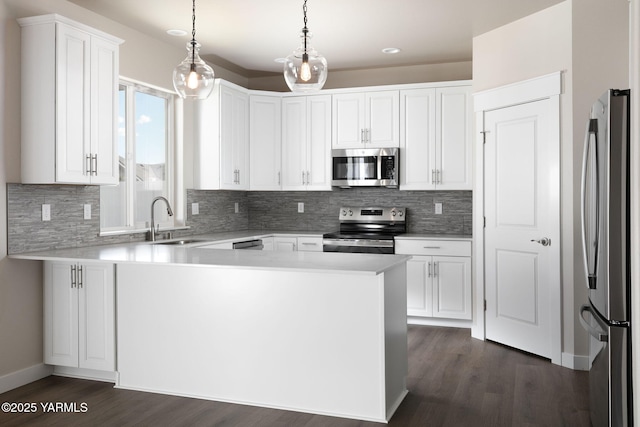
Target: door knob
(545, 241)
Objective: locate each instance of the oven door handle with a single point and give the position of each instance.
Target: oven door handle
(359, 242)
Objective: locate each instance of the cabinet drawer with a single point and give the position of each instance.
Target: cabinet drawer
(433, 247)
(310, 244)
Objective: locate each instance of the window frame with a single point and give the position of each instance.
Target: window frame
(131, 87)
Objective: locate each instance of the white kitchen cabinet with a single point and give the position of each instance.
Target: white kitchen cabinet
(285, 244)
(366, 120)
(267, 243)
(221, 134)
(265, 142)
(306, 143)
(435, 134)
(79, 315)
(69, 76)
(221, 245)
(438, 278)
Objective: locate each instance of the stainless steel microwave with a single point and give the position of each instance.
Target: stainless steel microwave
(368, 167)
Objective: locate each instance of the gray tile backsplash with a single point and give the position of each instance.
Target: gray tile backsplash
(257, 210)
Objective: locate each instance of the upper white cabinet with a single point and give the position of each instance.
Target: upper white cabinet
(435, 135)
(221, 148)
(306, 142)
(265, 142)
(366, 119)
(79, 315)
(69, 79)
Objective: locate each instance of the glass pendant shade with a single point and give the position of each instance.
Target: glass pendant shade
(305, 70)
(193, 78)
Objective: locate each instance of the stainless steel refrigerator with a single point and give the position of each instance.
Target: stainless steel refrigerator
(605, 235)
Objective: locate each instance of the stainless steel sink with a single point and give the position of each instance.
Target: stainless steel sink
(178, 242)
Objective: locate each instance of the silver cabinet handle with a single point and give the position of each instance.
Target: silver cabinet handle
(94, 165)
(307, 177)
(545, 241)
(73, 276)
(79, 276)
(302, 177)
(435, 269)
(433, 176)
(362, 136)
(438, 176)
(87, 164)
(279, 179)
(429, 269)
(366, 135)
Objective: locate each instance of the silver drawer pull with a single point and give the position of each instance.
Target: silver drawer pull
(432, 247)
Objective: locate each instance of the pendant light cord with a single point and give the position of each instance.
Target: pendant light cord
(305, 30)
(193, 34)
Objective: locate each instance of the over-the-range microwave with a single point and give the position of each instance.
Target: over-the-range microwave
(368, 167)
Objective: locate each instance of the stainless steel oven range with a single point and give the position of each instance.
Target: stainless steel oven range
(366, 230)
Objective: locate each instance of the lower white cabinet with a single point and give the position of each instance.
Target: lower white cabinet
(79, 315)
(438, 278)
(285, 244)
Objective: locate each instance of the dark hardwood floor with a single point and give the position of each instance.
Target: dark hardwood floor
(453, 381)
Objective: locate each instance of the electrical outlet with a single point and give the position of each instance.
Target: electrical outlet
(300, 207)
(236, 207)
(87, 211)
(438, 208)
(195, 208)
(46, 212)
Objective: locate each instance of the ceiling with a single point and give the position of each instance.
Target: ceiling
(246, 36)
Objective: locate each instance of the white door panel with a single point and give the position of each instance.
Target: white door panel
(521, 207)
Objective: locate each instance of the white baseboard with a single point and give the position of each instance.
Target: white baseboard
(85, 374)
(577, 363)
(433, 321)
(24, 376)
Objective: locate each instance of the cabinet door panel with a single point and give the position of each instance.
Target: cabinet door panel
(97, 318)
(72, 105)
(454, 138)
(104, 119)
(452, 287)
(319, 140)
(60, 316)
(418, 287)
(383, 119)
(265, 143)
(294, 146)
(417, 137)
(348, 120)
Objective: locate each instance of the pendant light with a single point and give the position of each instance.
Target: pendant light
(193, 78)
(305, 70)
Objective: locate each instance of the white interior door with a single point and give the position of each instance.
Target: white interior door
(522, 270)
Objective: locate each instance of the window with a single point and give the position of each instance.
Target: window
(145, 144)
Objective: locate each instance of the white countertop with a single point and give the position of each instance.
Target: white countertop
(420, 236)
(147, 253)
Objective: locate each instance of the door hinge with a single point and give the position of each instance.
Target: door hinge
(484, 222)
(485, 305)
(484, 136)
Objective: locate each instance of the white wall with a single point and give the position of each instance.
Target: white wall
(586, 40)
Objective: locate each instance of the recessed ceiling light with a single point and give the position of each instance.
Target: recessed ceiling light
(280, 60)
(177, 33)
(391, 50)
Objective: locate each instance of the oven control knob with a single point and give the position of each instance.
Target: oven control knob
(350, 212)
(393, 213)
(401, 213)
(344, 212)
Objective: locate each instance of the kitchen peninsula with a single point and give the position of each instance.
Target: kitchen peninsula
(306, 331)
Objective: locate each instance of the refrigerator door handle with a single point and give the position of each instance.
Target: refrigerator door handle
(590, 195)
(597, 334)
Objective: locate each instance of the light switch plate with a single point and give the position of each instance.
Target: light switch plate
(438, 208)
(46, 212)
(195, 208)
(87, 211)
(300, 207)
(237, 207)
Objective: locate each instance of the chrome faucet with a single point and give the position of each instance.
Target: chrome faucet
(151, 234)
